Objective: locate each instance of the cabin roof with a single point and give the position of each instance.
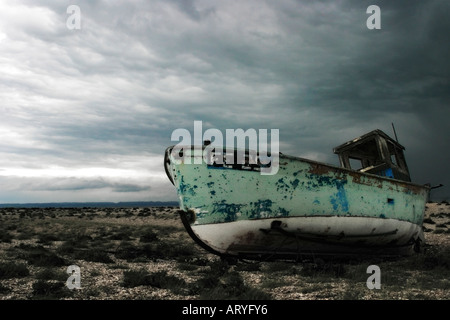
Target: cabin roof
(363, 139)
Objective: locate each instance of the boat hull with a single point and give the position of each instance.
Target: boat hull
(295, 236)
(307, 207)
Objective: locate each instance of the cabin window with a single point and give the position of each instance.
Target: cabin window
(374, 153)
(392, 153)
(362, 156)
(396, 156)
(355, 164)
(394, 159)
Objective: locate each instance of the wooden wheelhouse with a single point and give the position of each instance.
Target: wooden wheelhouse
(375, 153)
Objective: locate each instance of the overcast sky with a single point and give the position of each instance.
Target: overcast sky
(86, 114)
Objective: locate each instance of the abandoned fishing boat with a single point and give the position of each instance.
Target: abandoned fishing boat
(307, 207)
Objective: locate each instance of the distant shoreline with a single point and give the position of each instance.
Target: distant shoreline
(123, 204)
(130, 204)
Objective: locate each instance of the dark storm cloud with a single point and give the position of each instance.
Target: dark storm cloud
(109, 95)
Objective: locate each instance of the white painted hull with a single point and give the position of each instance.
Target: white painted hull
(308, 235)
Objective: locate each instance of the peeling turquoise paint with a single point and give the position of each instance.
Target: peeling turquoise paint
(284, 212)
(298, 189)
(296, 173)
(261, 208)
(339, 200)
(281, 185)
(227, 211)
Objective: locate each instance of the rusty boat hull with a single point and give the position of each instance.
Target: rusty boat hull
(306, 208)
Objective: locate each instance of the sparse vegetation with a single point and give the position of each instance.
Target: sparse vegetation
(5, 236)
(51, 290)
(229, 286)
(135, 278)
(4, 290)
(145, 253)
(93, 255)
(51, 274)
(13, 270)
